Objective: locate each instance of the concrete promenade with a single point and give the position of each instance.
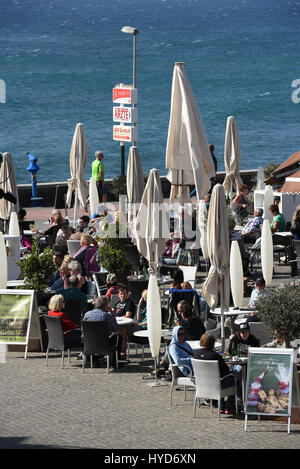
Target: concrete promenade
(52, 408)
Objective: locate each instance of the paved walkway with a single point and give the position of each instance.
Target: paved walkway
(49, 407)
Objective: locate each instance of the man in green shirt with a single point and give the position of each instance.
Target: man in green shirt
(278, 224)
(98, 175)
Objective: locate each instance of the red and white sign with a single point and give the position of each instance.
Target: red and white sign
(125, 133)
(125, 114)
(125, 95)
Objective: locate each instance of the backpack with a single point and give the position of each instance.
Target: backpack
(89, 263)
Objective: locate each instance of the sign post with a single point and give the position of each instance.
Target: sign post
(124, 95)
(269, 386)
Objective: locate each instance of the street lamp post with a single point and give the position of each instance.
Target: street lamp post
(134, 32)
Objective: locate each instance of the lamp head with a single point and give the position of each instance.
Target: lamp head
(129, 30)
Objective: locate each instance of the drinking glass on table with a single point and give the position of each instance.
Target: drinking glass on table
(31, 227)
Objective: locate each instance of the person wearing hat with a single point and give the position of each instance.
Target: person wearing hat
(239, 341)
(112, 285)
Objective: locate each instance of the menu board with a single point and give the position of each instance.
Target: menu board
(19, 317)
(269, 382)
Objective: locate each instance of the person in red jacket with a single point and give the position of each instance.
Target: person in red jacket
(72, 335)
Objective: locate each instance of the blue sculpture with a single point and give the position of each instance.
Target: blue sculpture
(33, 169)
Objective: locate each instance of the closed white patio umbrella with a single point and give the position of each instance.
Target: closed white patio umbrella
(232, 157)
(78, 160)
(150, 227)
(8, 183)
(266, 249)
(93, 197)
(134, 182)
(236, 275)
(218, 279)
(187, 154)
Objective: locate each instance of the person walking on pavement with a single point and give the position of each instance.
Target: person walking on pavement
(98, 175)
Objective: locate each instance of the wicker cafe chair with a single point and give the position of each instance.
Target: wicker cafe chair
(56, 340)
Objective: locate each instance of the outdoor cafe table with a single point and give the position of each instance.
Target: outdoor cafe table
(232, 311)
(123, 321)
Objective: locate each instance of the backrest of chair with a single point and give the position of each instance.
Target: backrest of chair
(297, 247)
(73, 311)
(189, 274)
(136, 287)
(133, 256)
(261, 332)
(215, 332)
(100, 285)
(176, 372)
(95, 337)
(55, 332)
(207, 378)
(114, 300)
(91, 288)
(73, 246)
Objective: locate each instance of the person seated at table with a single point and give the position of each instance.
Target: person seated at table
(74, 268)
(72, 292)
(170, 254)
(25, 243)
(87, 255)
(63, 234)
(191, 323)
(241, 340)
(258, 292)
(207, 352)
(103, 312)
(59, 282)
(21, 214)
(177, 279)
(72, 336)
(278, 341)
(141, 312)
(180, 351)
(252, 227)
(125, 307)
(186, 286)
(52, 231)
(77, 233)
(278, 224)
(112, 285)
(295, 223)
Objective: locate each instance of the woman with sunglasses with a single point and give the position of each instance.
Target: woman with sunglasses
(180, 351)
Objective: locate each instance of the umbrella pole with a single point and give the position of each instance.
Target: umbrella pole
(222, 322)
(75, 208)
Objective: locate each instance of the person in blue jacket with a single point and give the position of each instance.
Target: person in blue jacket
(180, 351)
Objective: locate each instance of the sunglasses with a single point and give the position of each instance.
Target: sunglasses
(180, 334)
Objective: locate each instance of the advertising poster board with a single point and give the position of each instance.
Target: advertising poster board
(19, 319)
(269, 382)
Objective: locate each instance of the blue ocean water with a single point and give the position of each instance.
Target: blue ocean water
(60, 60)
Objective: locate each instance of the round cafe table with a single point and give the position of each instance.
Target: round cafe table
(145, 333)
(232, 312)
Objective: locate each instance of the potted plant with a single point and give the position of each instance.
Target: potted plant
(280, 311)
(112, 257)
(36, 269)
